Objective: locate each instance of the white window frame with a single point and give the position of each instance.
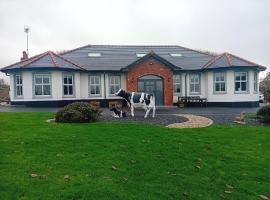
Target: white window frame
(114, 84)
(193, 84)
(94, 85)
(42, 85)
(16, 85)
(68, 85)
(241, 81)
(255, 79)
(177, 82)
(219, 82)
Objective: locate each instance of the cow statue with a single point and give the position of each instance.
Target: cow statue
(136, 99)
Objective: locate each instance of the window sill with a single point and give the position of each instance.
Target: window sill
(42, 97)
(92, 95)
(18, 97)
(195, 93)
(219, 92)
(69, 96)
(244, 92)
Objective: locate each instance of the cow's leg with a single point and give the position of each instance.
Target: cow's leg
(154, 111)
(132, 110)
(147, 112)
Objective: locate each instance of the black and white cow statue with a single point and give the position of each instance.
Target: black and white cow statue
(136, 100)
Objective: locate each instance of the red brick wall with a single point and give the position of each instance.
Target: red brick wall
(152, 67)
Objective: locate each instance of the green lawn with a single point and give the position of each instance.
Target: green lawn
(130, 161)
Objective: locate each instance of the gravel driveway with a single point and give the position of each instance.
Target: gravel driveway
(220, 115)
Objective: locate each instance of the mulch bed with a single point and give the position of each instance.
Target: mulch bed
(162, 120)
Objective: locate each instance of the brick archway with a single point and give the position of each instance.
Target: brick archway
(152, 67)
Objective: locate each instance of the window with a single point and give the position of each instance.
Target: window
(194, 80)
(176, 54)
(94, 85)
(114, 84)
(18, 86)
(94, 54)
(139, 55)
(240, 81)
(42, 84)
(255, 81)
(219, 82)
(177, 83)
(68, 85)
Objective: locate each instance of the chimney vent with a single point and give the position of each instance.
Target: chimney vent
(25, 56)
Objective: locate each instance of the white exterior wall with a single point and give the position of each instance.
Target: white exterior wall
(81, 85)
(207, 88)
(230, 95)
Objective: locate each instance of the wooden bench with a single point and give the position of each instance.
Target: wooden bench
(191, 99)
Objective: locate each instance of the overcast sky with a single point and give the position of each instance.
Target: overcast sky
(241, 27)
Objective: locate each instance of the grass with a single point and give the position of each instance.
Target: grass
(130, 161)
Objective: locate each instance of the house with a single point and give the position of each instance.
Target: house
(96, 72)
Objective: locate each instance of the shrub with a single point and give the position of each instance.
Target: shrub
(264, 114)
(78, 112)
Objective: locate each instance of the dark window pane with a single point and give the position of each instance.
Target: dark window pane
(243, 77)
(222, 87)
(70, 80)
(46, 79)
(197, 88)
(38, 79)
(46, 90)
(92, 90)
(65, 80)
(112, 90)
(244, 86)
(97, 90)
(70, 89)
(65, 90)
(38, 90)
(217, 87)
(237, 86)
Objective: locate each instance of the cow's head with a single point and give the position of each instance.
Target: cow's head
(120, 93)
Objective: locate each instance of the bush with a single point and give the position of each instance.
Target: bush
(78, 112)
(264, 114)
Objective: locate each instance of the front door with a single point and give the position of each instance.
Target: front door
(153, 85)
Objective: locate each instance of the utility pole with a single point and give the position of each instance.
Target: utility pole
(26, 30)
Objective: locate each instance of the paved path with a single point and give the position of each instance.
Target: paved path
(194, 121)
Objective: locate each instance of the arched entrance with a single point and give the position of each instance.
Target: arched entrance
(152, 84)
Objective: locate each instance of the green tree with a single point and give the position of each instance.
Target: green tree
(265, 86)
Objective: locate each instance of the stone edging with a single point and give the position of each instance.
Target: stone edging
(194, 121)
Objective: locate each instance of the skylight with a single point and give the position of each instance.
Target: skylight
(94, 54)
(176, 54)
(139, 55)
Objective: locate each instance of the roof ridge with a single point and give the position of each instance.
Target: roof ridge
(229, 58)
(69, 51)
(71, 62)
(53, 59)
(215, 59)
(198, 51)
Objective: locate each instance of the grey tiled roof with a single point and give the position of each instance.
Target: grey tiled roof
(119, 57)
(116, 57)
(45, 60)
(229, 60)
